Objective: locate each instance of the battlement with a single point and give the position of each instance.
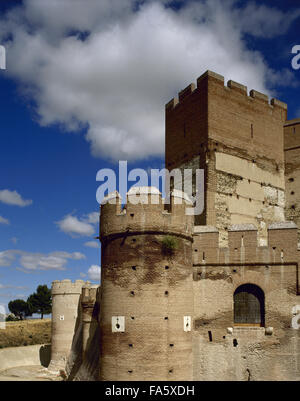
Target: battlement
(146, 212)
(89, 294)
(243, 245)
(66, 287)
(234, 87)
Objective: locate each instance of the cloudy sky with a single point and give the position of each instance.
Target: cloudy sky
(85, 85)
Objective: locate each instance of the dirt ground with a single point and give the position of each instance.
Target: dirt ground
(26, 332)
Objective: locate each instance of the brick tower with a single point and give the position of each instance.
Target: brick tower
(146, 288)
(238, 140)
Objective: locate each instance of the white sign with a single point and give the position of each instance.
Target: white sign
(118, 324)
(296, 317)
(187, 323)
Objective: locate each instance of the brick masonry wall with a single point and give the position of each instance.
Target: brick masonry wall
(245, 353)
(212, 120)
(151, 289)
(292, 171)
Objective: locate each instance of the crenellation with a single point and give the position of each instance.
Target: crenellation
(234, 87)
(237, 87)
(210, 75)
(278, 103)
(66, 287)
(243, 245)
(186, 92)
(259, 96)
(146, 212)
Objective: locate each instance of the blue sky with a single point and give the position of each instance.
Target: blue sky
(85, 86)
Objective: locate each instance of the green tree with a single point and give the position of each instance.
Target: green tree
(40, 301)
(19, 308)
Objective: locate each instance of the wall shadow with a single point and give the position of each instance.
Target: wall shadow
(45, 355)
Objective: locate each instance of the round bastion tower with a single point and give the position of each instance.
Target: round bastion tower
(65, 320)
(146, 287)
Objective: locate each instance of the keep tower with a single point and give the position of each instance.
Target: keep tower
(238, 140)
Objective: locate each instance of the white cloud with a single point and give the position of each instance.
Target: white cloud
(38, 261)
(11, 295)
(13, 198)
(83, 226)
(6, 258)
(92, 244)
(93, 217)
(18, 287)
(94, 273)
(4, 221)
(72, 225)
(103, 66)
(252, 19)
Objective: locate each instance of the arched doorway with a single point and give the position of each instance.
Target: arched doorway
(249, 306)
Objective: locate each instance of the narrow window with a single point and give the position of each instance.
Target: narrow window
(251, 130)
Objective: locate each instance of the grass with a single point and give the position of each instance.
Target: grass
(26, 332)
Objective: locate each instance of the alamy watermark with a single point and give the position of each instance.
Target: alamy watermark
(296, 58)
(2, 58)
(189, 181)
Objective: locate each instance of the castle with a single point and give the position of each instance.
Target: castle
(208, 297)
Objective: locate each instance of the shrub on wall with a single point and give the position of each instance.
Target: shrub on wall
(169, 245)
